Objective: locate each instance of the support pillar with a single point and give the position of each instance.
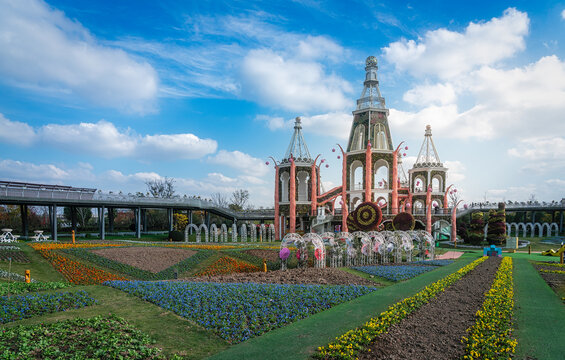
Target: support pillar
(533, 217)
(189, 216)
(292, 196)
(111, 215)
(74, 218)
(207, 219)
(170, 218)
(344, 211)
(138, 223)
(144, 220)
(429, 210)
(23, 212)
(277, 217)
(368, 174)
(101, 222)
(561, 222)
(54, 222)
(313, 195)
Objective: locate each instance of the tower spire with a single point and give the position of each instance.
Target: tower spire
(428, 156)
(371, 96)
(297, 147)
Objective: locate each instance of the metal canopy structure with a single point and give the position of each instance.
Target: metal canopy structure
(428, 157)
(371, 97)
(297, 147)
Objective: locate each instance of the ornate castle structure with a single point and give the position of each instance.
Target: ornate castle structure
(371, 171)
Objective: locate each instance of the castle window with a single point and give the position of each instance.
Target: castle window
(379, 137)
(358, 138)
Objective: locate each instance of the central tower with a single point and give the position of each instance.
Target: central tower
(369, 150)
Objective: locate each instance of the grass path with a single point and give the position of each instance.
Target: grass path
(539, 315)
(299, 340)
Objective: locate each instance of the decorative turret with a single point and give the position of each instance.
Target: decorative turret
(297, 147)
(428, 172)
(428, 156)
(371, 97)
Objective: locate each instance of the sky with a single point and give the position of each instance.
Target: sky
(108, 95)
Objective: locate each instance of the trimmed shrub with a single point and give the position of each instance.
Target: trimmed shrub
(403, 221)
(477, 228)
(496, 233)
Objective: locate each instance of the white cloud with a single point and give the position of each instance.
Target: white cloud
(446, 53)
(104, 139)
(336, 124)
(220, 178)
(456, 171)
(30, 172)
(439, 94)
(15, 132)
(563, 14)
(320, 47)
(42, 48)
(240, 161)
(292, 84)
(540, 154)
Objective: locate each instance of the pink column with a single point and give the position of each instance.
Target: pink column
(344, 211)
(454, 222)
(368, 174)
(313, 193)
(429, 210)
(445, 201)
(292, 195)
(277, 220)
(409, 201)
(395, 179)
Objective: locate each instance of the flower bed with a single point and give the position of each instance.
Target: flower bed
(95, 338)
(255, 260)
(25, 306)
(76, 272)
(432, 262)
(22, 287)
(348, 345)
(138, 273)
(237, 312)
(227, 265)
(491, 336)
(395, 272)
(60, 246)
(552, 271)
(17, 255)
(13, 276)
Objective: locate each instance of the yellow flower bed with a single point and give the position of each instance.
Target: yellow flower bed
(491, 336)
(348, 345)
(58, 246)
(552, 271)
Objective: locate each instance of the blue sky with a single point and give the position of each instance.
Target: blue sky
(110, 94)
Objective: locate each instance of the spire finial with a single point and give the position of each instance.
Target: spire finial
(298, 123)
(428, 130)
(371, 96)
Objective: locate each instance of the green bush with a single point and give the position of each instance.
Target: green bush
(477, 228)
(496, 233)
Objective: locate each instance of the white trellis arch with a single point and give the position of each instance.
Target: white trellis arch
(196, 230)
(204, 229)
(213, 233)
(234, 232)
(438, 225)
(378, 240)
(271, 232)
(253, 231)
(350, 251)
(290, 238)
(521, 226)
(364, 251)
(263, 229)
(223, 233)
(555, 227)
(539, 228)
(319, 249)
(243, 233)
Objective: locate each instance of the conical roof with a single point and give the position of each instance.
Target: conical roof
(428, 156)
(297, 147)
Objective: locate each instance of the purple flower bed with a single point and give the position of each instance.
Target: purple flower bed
(396, 272)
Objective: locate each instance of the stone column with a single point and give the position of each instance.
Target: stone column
(429, 210)
(23, 214)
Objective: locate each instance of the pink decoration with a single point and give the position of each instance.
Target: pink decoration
(284, 253)
(455, 190)
(267, 163)
(327, 166)
(369, 143)
(380, 183)
(298, 254)
(408, 205)
(404, 154)
(318, 254)
(406, 148)
(333, 150)
(339, 156)
(465, 206)
(341, 202)
(322, 161)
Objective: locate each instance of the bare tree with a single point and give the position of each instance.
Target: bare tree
(161, 188)
(239, 199)
(454, 197)
(220, 200)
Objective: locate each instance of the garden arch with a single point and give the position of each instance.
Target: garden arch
(186, 230)
(381, 174)
(253, 231)
(234, 232)
(213, 233)
(554, 227)
(243, 233)
(285, 186)
(204, 229)
(224, 233)
(319, 249)
(356, 177)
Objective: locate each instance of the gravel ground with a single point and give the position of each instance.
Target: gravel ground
(154, 259)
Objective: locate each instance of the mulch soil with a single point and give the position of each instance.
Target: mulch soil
(270, 255)
(436, 329)
(327, 276)
(555, 281)
(16, 256)
(154, 259)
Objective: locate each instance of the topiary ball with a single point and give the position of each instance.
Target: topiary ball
(368, 216)
(403, 221)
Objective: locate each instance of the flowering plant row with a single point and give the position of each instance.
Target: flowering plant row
(16, 255)
(76, 272)
(138, 273)
(95, 338)
(491, 335)
(255, 260)
(432, 262)
(16, 288)
(237, 312)
(396, 272)
(552, 271)
(25, 306)
(554, 264)
(227, 265)
(348, 345)
(13, 276)
(59, 246)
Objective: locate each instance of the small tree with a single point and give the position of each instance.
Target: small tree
(83, 215)
(220, 200)
(239, 199)
(180, 221)
(161, 188)
(496, 233)
(477, 228)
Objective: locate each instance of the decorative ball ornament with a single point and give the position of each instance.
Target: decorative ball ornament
(321, 162)
(465, 206)
(404, 221)
(339, 156)
(455, 190)
(408, 205)
(267, 163)
(284, 253)
(380, 183)
(369, 143)
(404, 154)
(368, 216)
(333, 150)
(327, 166)
(406, 148)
